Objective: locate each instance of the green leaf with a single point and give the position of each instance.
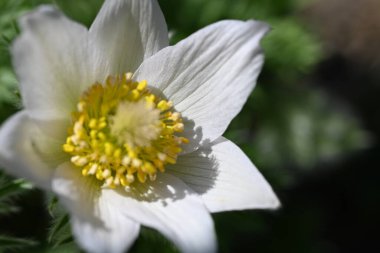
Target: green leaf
(8, 87)
(52, 206)
(65, 240)
(14, 187)
(57, 227)
(150, 240)
(67, 247)
(59, 232)
(7, 208)
(290, 51)
(13, 242)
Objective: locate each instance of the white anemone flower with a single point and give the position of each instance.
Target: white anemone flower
(127, 130)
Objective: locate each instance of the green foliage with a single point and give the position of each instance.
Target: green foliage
(8, 88)
(150, 240)
(57, 227)
(308, 130)
(80, 11)
(59, 238)
(290, 52)
(15, 244)
(9, 190)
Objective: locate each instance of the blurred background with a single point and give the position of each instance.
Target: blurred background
(311, 126)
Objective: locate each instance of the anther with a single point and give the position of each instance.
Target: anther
(122, 133)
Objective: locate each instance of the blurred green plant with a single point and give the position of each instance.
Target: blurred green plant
(15, 244)
(8, 88)
(10, 190)
(295, 135)
(59, 238)
(290, 52)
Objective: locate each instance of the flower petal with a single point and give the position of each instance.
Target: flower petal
(96, 225)
(19, 139)
(129, 31)
(54, 62)
(169, 206)
(225, 178)
(208, 75)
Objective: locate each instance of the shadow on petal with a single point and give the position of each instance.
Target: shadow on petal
(157, 191)
(198, 169)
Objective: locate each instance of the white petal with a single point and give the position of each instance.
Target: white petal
(97, 226)
(169, 206)
(129, 31)
(225, 178)
(19, 155)
(54, 62)
(209, 75)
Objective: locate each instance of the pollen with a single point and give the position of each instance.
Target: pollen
(122, 133)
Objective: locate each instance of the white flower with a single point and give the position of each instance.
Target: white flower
(122, 150)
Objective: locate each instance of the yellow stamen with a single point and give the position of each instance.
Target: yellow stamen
(122, 133)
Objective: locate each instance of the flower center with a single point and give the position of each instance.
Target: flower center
(121, 131)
